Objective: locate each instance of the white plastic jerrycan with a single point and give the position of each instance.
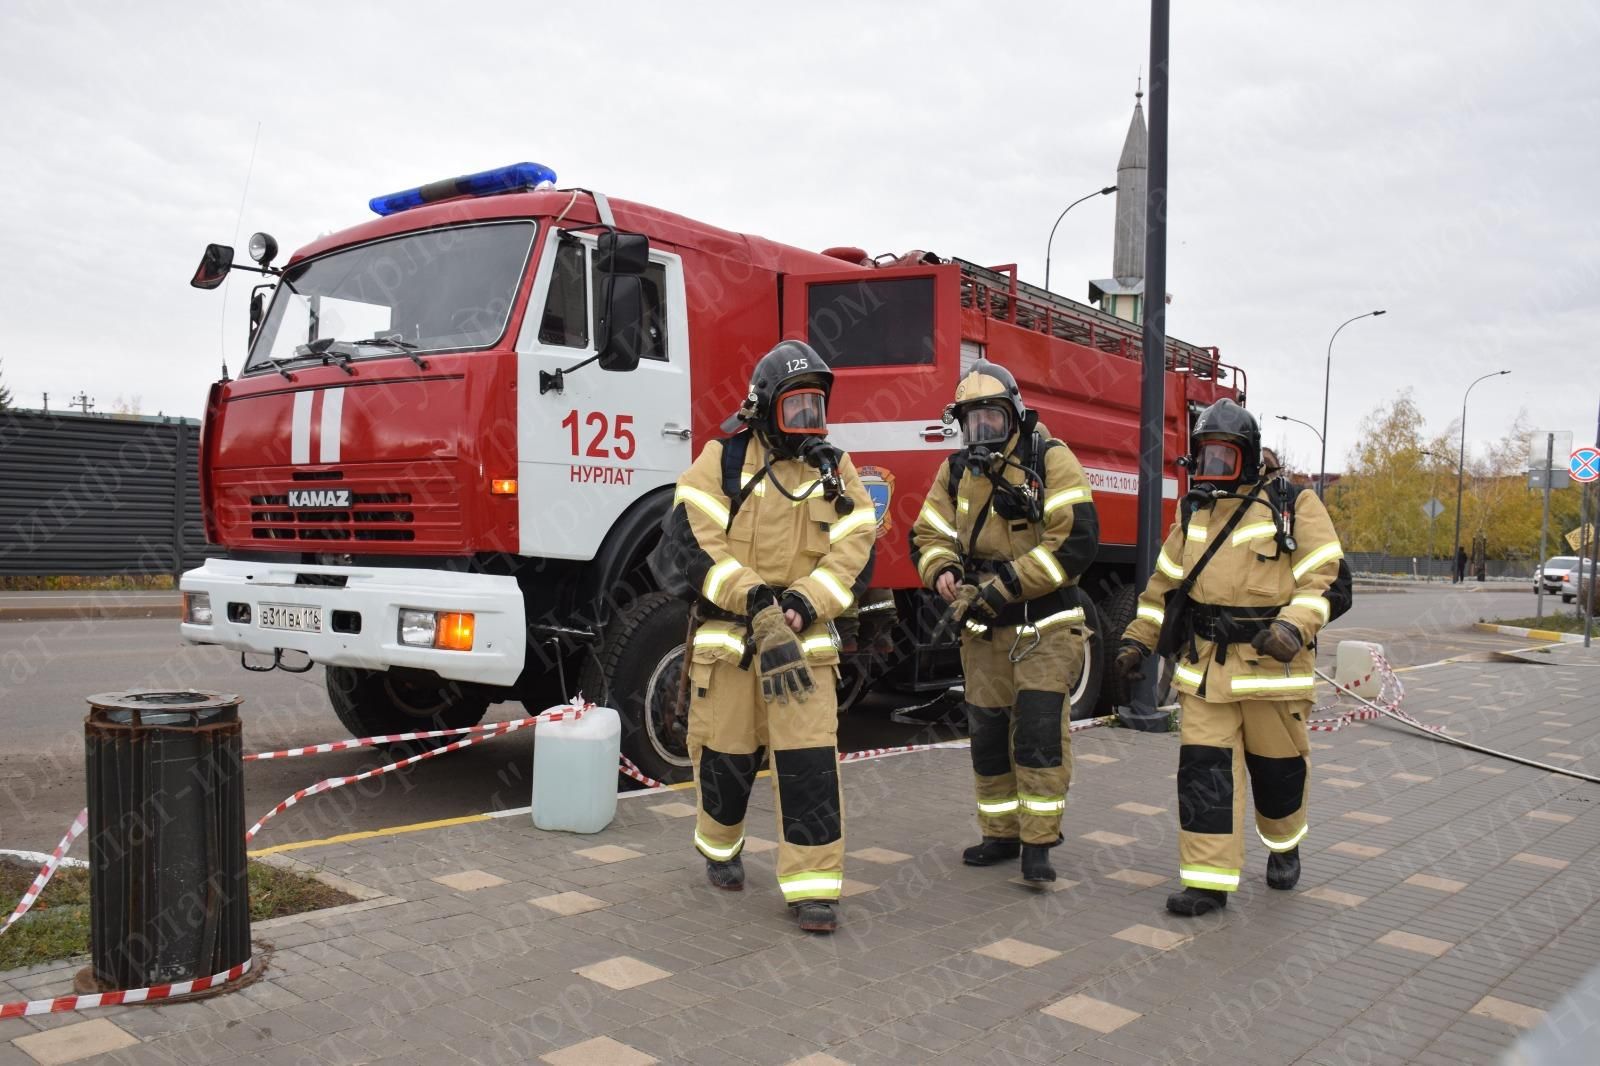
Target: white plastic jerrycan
(575, 771)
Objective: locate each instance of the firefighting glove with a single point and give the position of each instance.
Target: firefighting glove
(782, 662)
(1281, 640)
(980, 603)
(1130, 660)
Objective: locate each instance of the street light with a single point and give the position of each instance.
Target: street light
(1308, 425)
(1327, 376)
(1107, 191)
(1461, 464)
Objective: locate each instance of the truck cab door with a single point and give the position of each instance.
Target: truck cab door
(591, 447)
(893, 339)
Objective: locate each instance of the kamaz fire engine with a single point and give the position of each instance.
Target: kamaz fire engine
(444, 464)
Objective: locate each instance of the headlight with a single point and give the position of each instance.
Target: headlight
(197, 608)
(418, 627)
(447, 630)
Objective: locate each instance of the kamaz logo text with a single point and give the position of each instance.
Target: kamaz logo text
(319, 497)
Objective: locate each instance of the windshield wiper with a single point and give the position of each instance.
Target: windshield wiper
(277, 364)
(398, 345)
(322, 348)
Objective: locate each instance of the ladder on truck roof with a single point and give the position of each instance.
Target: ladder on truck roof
(997, 294)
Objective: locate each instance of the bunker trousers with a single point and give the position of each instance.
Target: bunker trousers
(730, 729)
(1018, 716)
(1219, 743)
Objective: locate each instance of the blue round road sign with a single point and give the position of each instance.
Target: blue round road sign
(1585, 464)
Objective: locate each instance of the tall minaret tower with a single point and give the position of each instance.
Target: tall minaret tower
(1123, 293)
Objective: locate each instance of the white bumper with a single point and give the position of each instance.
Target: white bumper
(377, 594)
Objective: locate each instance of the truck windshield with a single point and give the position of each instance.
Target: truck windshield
(442, 290)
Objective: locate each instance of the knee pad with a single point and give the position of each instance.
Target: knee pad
(725, 782)
(1205, 789)
(808, 791)
(1278, 785)
(1038, 738)
(990, 730)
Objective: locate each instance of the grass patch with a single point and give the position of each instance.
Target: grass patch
(108, 583)
(1560, 623)
(58, 925)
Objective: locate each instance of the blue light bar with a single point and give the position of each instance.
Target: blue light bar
(483, 183)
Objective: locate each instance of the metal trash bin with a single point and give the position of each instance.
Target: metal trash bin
(169, 896)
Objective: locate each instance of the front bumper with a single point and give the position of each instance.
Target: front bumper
(375, 593)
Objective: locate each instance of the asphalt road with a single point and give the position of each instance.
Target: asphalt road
(47, 668)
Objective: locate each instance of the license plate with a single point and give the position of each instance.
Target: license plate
(289, 616)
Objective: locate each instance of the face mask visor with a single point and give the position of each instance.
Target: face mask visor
(1218, 461)
(803, 412)
(985, 426)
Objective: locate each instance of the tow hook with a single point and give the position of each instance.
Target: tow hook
(291, 667)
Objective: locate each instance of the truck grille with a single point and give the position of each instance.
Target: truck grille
(371, 516)
(411, 510)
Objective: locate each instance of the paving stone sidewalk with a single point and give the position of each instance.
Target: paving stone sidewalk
(1447, 904)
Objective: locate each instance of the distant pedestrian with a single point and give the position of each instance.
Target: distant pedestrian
(1461, 564)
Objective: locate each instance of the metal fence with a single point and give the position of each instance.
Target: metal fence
(1422, 566)
(91, 494)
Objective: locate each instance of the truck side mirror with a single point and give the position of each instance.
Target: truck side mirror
(621, 253)
(258, 310)
(621, 327)
(214, 267)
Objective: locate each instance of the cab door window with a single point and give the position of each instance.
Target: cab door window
(566, 308)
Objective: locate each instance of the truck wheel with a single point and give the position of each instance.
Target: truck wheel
(1086, 692)
(377, 702)
(637, 669)
(1116, 612)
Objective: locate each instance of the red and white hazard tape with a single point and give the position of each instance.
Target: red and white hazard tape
(24, 1008)
(1390, 694)
(48, 870)
(480, 733)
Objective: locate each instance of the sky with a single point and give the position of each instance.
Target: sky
(1432, 159)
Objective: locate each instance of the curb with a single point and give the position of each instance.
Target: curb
(89, 612)
(1531, 634)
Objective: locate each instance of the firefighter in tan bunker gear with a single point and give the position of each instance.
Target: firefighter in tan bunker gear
(1008, 527)
(1244, 662)
(778, 532)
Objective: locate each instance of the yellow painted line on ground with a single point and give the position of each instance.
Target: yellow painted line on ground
(368, 834)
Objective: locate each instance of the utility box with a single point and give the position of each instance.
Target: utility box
(169, 898)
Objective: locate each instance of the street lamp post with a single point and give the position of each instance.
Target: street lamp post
(1433, 519)
(1108, 190)
(1308, 425)
(1327, 377)
(1461, 465)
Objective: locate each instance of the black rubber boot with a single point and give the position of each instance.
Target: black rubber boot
(728, 876)
(817, 915)
(1036, 863)
(1283, 869)
(991, 851)
(1192, 902)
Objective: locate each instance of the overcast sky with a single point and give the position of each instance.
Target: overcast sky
(1426, 158)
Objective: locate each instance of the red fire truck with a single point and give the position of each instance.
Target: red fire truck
(446, 459)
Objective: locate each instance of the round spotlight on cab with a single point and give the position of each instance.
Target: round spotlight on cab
(263, 248)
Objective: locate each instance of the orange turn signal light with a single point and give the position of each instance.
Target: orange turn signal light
(454, 631)
(503, 486)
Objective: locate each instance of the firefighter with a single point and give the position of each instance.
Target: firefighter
(1007, 529)
(1242, 623)
(777, 534)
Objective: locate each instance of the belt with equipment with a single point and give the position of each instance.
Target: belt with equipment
(1226, 625)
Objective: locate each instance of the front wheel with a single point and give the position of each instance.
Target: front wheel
(381, 702)
(638, 670)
